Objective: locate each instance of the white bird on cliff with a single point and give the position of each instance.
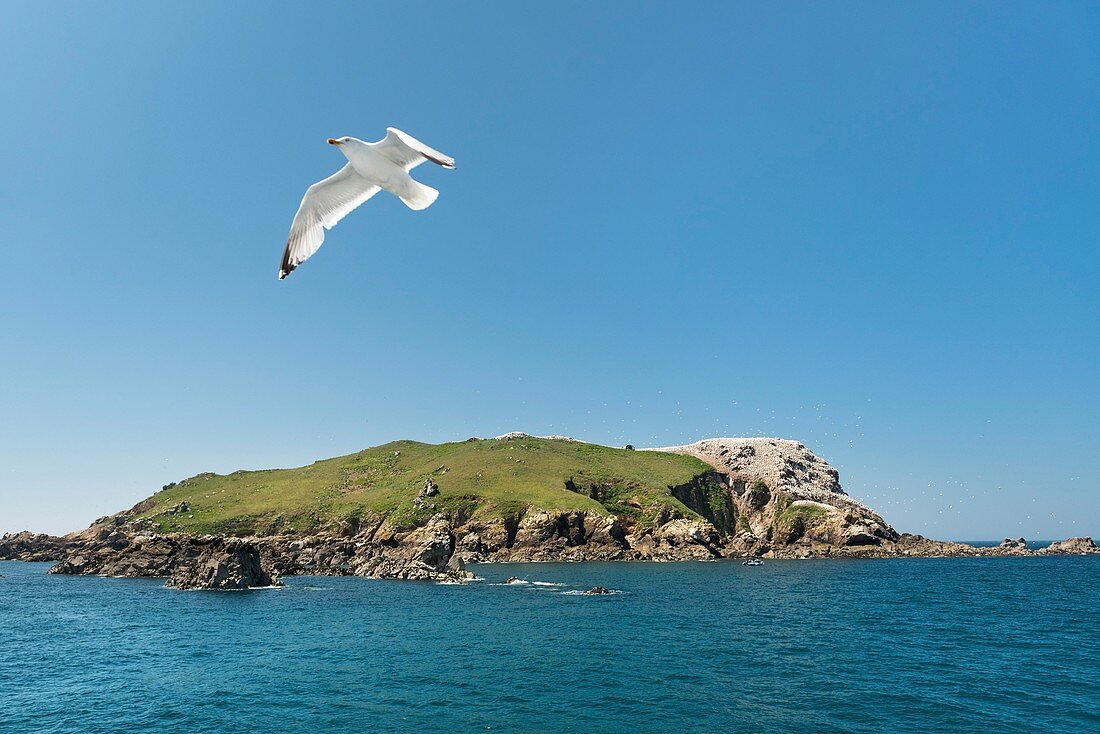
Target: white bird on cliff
(371, 167)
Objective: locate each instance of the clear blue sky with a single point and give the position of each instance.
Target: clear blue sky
(871, 226)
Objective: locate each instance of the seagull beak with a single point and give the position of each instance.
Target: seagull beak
(333, 141)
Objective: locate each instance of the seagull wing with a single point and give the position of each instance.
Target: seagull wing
(325, 203)
(408, 152)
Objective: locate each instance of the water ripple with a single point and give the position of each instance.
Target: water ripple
(907, 645)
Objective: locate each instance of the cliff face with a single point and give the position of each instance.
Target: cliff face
(765, 496)
(783, 493)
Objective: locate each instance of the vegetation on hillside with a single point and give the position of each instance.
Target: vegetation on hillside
(483, 478)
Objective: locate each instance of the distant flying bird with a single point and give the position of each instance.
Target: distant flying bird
(371, 166)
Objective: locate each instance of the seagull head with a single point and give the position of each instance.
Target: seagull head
(345, 144)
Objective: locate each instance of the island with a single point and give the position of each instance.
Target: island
(411, 510)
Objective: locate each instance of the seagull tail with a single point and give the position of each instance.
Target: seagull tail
(419, 196)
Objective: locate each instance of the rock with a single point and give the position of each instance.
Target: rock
(1081, 545)
(685, 532)
(455, 565)
(27, 546)
(1010, 543)
(610, 535)
(789, 531)
(767, 477)
(430, 489)
(209, 562)
(860, 535)
(222, 564)
(512, 580)
(757, 496)
(597, 590)
(142, 523)
(181, 508)
(426, 553)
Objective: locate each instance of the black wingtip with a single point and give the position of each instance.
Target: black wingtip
(287, 267)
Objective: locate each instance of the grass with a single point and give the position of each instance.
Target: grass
(487, 478)
(807, 513)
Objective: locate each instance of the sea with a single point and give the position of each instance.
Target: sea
(830, 645)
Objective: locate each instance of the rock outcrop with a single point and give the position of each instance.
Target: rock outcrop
(203, 562)
(214, 562)
(425, 553)
(783, 495)
(26, 546)
(1075, 546)
(221, 564)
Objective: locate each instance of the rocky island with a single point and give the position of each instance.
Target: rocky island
(411, 510)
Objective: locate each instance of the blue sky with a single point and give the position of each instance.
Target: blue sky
(871, 227)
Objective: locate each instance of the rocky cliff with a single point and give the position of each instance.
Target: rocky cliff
(785, 495)
(115, 546)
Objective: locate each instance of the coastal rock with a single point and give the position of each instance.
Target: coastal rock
(781, 493)
(859, 535)
(1010, 543)
(544, 536)
(426, 553)
(210, 562)
(697, 538)
(221, 564)
(1081, 545)
(27, 546)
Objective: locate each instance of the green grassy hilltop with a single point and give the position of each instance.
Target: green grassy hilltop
(476, 478)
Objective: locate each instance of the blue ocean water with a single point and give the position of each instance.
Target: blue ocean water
(915, 645)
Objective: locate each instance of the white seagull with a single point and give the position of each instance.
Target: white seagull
(371, 166)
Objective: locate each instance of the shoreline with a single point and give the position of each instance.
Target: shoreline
(430, 553)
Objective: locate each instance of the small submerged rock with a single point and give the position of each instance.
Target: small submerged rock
(513, 580)
(597, 590)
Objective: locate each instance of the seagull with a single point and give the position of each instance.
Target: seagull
(371, 167)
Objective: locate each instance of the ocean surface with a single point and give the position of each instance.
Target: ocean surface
(913, 645)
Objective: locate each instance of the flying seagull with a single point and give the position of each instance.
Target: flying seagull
(371, 166)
